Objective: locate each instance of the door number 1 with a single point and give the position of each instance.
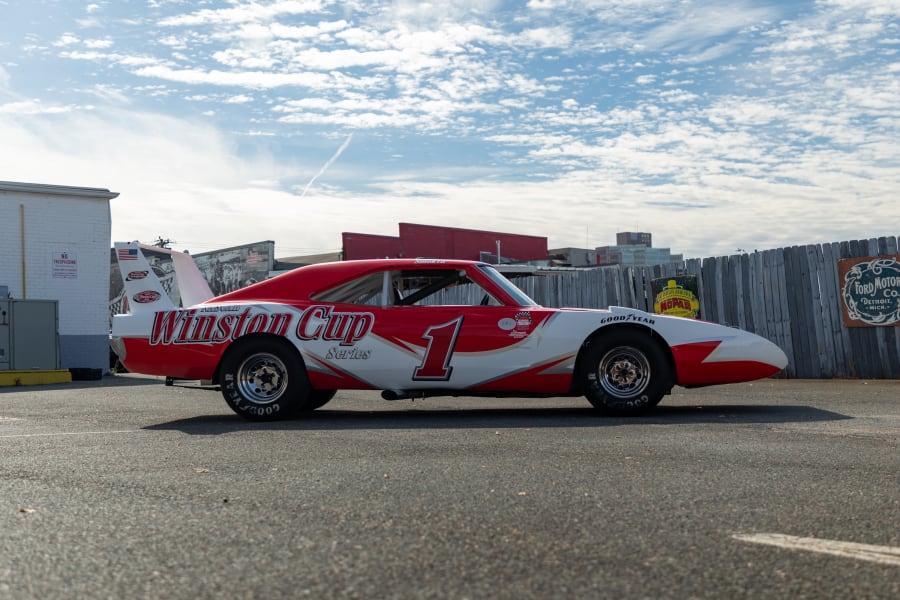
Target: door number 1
(436, 363)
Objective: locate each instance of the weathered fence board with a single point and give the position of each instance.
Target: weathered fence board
(831, 309)
(791, 296)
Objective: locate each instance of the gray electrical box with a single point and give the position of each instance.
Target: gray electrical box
(29, 335)
(5, 341)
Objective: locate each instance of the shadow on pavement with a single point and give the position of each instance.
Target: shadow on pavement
(105, 382)
(493, 418)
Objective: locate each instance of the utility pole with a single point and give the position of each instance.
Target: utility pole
(161, 242)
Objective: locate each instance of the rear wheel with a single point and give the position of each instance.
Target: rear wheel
(625, 373)
(264, 380)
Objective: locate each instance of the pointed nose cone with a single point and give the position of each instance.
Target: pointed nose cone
(739, 356)
(760, 357)
(778, 358)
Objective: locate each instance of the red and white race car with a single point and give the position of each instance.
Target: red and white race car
(413, 328)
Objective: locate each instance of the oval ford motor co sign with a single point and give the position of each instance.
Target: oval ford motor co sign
(871, 291)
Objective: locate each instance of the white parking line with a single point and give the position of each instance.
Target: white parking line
(28, 435)
(886, 555)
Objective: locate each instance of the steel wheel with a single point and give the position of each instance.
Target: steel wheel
(624, 372)
(262, 378)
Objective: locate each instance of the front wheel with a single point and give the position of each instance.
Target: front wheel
(625, 373)
(264, 380)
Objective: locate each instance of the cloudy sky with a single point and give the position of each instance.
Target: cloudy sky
(715, 125)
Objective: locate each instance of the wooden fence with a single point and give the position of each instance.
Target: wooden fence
(791, 296)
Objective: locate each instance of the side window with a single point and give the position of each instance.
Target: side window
(448, 287)
(367, 290)
(411, 287)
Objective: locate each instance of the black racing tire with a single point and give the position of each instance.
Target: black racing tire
(318, 399)
(625, 372)
(264, 379)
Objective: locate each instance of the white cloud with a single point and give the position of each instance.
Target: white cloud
(426, 15)
(545, 37)
(98, 44)
(66, 39)
(34, 107)
(122, 59)
(174, 41)
(247, 79)
(246, 12)
(694, 23)
(307, 32)
(318, 60)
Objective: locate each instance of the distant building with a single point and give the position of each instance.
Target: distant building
(634, 249)
(287, 263)
(54, 246)
(634, 238)
(432, 241)
(574, 257)
(367, 245)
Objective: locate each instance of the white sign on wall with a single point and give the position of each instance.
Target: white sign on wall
(65, 265)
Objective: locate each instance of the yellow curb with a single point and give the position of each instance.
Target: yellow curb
(34, 377)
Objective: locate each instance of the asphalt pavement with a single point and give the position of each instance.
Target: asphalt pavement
(125, 488)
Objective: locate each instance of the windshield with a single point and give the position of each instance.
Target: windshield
(509, 287)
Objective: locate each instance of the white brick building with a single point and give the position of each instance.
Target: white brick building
(54, 245)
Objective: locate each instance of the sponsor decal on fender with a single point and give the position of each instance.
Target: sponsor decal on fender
(146, 297)
(517, 327)
(523, 319)
(627, 319)
(522, 324)
(137, 275)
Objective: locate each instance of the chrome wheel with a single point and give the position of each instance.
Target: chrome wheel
(262, 378)
(624, 372)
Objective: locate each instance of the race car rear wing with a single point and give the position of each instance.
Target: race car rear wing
(143, 288)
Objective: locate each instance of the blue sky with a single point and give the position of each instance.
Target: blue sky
(713, 125)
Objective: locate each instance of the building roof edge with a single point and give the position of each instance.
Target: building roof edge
(57, 190)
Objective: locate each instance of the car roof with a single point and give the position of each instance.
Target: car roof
(303, 282)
